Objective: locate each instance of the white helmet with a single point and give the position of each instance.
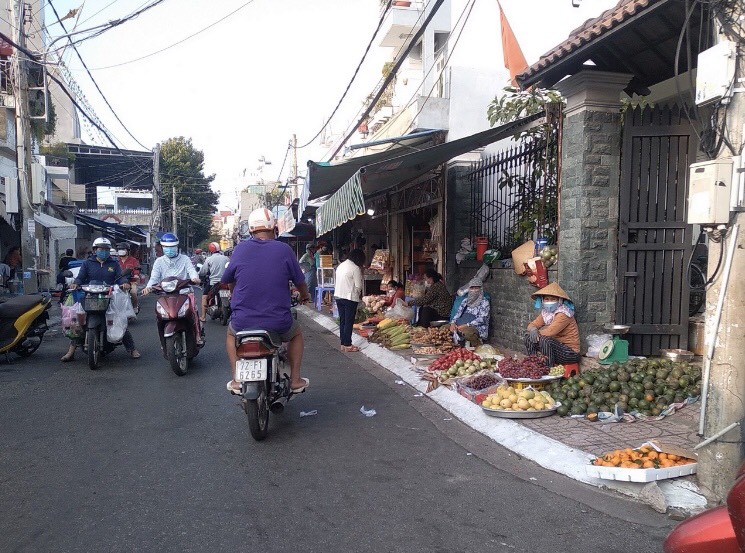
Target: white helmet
(101, 243)
(261, 219)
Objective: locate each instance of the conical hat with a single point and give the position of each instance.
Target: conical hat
(552, 289)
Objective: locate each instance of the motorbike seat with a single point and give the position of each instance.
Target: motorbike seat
(269, 335)
(17, 306)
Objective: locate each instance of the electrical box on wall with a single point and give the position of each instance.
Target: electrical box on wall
(715, 73)
(709, 192)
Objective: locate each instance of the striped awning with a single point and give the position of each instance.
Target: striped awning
(344, 205)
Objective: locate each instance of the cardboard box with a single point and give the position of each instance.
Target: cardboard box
(647, 475)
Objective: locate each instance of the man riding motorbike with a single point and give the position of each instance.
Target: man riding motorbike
(174, 264)
(101, 269)
(126, 261)
(213, 269)
(259, 273)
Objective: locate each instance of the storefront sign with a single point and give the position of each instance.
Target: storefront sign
(286, 222)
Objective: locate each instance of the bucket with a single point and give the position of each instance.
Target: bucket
(482, 244)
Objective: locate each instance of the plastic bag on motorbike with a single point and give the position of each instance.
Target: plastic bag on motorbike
(119, 311)
(70, 320)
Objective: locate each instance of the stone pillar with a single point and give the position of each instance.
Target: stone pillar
(589, 192)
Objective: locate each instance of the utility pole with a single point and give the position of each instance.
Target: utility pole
(23, 146)
(294, 167)
(156, 201)
(725, 406)
(174, 223)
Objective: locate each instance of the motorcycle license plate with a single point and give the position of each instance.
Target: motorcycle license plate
(224, 293)
(251, 370)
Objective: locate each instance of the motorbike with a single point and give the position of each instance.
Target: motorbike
(23, 322)
(176, 324)
(717, 530)
(95, 303)
(218, 306)
(265, 387)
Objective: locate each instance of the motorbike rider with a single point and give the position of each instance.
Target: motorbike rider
(174, 264)
(127, 261)
(101, 268)
(213, 269)
(259, 272)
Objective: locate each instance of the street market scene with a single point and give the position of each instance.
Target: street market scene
(399, 275)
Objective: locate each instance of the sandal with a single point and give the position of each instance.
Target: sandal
(302, 388)
(350, 348)
(232, 389)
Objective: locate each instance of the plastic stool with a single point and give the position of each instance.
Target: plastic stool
(571, 369)
(320, 291)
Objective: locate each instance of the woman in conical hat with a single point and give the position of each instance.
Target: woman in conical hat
(554, 332)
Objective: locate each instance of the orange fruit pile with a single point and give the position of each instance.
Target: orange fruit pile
(643, 458)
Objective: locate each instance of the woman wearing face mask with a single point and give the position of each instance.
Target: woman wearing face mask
(472, 318)
(554, 333)
(436, 302)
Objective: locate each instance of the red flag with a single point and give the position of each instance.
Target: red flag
(514, 60)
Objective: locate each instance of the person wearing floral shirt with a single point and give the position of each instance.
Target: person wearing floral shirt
(436, 302)
(472, 318)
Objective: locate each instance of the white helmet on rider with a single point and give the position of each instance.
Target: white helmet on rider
(261, 219)
(101, 243)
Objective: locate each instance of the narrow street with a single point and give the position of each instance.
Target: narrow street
(133, 458)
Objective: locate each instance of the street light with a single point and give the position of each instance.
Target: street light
(371, 212)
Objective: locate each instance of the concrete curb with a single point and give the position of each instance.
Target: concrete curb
(554, 455)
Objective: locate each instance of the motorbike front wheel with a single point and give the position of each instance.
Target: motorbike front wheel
(257, 411)
(28, 345)
(176, 354)
(94, 353)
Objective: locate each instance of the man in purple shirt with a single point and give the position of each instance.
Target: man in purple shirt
(259, 273)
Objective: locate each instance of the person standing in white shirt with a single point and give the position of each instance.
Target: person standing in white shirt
(348, 293)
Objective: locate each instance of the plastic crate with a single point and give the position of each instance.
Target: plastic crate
(95, 303)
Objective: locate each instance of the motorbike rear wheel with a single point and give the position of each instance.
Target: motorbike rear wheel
(94, 353)
(29, 344)
(225, 315)
(257, 411)
(176, 354)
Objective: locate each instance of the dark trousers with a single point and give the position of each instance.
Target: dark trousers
(347, 311)
(556, 352)
(427, 314)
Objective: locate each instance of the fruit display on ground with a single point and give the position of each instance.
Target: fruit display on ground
(482, 381)
(643, 386)
(558, 370)
(506, 398)
(533, 366)
(391, 334)
(645, 457)
(458, 363)
(440, 338)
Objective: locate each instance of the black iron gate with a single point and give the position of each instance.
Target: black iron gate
(654, 239)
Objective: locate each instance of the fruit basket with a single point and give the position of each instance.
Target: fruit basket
(647, 463)
(502, 413)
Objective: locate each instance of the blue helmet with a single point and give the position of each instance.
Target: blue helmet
(169, 239)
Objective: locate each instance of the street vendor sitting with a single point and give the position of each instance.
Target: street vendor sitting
(471, 320)
(436, 302)
(554, 332)
(396, 291)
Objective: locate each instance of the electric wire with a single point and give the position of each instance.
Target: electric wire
(151, 54)
(354, 76)
(93, 80)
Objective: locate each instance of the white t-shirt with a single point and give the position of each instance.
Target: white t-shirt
(348, 285)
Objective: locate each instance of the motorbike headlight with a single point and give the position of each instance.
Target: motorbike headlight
(184, 309)
(169, 286)
(161, 311)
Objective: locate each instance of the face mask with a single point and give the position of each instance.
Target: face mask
(122, 253)
(170, 251)
(103, 255)
(550, 306)
(473, 296)
(427, 284)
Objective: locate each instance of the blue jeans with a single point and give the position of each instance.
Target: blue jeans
(347, 311)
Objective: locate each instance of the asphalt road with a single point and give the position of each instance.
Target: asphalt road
(133, 458)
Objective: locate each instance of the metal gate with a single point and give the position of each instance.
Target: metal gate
(654, 239)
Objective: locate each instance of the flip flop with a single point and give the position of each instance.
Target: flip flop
(302, 388)
(232, 389)
(351, 348)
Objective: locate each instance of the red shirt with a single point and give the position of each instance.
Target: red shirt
(130, 263)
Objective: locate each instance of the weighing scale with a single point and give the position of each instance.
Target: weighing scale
(615, 350)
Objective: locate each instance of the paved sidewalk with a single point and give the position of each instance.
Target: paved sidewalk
(562, 445)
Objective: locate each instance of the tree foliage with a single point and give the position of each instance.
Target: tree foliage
(182, 168)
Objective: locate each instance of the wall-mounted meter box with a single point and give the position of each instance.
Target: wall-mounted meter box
(715, 73)
(709, 192)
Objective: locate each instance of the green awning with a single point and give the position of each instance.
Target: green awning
(346, 204)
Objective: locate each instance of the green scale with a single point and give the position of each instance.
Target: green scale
(615, 350)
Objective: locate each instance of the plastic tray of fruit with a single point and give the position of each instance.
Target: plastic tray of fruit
(547, 378)
(647, 470)
(511, 414)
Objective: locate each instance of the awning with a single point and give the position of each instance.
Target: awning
(59, 230)
(325, 178)
(117, 231)
(348, 202)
